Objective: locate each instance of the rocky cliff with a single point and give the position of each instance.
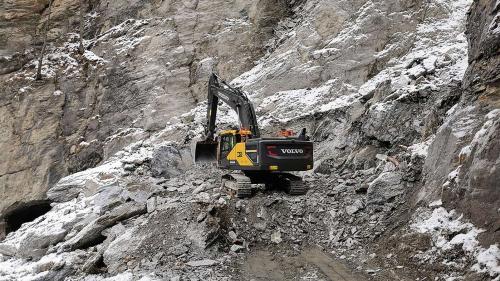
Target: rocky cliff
(401, 98)
(144, 64)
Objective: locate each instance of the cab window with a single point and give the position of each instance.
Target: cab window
(227, 143)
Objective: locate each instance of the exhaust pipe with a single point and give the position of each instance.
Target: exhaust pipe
(205, 151)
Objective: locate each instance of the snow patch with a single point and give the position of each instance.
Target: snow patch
(488, 260)
(448, 230)
(482, 134)
(421, 149)
(90, 56)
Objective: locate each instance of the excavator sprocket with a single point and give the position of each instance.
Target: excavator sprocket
(293, 184)
(296, 187)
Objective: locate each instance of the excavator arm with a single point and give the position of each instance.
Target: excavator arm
(234, 98)
(218, 90)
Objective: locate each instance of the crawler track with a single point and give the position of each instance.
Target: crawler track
(238, 184)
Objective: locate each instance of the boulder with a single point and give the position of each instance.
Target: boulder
(385, 187)
(87, 182)
(118, 253)
(92, 232)
(354, 207)
(166, 162)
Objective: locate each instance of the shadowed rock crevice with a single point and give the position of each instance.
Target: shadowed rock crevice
(24, 212)
(96, 240)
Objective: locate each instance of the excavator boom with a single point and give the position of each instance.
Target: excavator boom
(206, 150)
(234, 98)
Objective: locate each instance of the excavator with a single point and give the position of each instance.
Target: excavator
(252, 159)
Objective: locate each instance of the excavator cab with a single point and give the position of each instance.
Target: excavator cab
(228, 139)
(226, 144)
(218, 150)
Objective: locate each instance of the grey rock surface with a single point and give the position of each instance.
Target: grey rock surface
(91, 232)
(401, 104)
(142, 67)
(385, 187)
(465, 153)
(166, 162)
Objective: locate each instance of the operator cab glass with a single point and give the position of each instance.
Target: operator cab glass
(228, 139)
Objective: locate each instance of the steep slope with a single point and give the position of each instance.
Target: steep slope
(144, 63)
(465, 154)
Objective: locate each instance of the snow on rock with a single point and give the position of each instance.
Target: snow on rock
(486, 129)
(488, 260)
(107, 174)
(64, 60)
(437, 203)
(440, 59)
(34, 238)
(125, 36)
(25, 89)
(438, 56)
(86, 203)
(421, 148)
(448, 229)
(90, 56)
(464, 124)
(494, 27)
(453, 176)
(121, 29)
(19, 269)
(71, 186)
(262, 70)
(193, 122)
(294, 104)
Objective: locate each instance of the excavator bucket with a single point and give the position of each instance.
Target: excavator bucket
(205, 151)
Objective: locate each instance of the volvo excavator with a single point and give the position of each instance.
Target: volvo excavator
(251, 158)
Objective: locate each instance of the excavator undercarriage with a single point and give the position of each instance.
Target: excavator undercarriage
(243, 185)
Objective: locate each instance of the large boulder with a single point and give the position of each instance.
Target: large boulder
(118, 253)
(86, 182)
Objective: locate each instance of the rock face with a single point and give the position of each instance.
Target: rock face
(464, 159)
(144, 65)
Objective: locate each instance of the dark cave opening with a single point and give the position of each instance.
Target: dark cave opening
(24, 212)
